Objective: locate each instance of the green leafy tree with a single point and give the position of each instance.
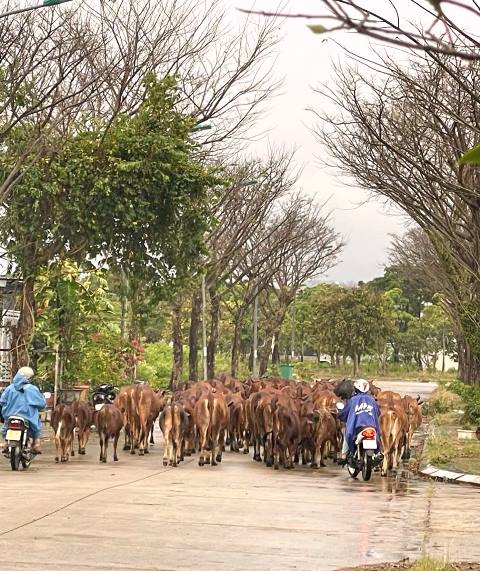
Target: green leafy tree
(132, 196)
(352, 321)
(74, 315)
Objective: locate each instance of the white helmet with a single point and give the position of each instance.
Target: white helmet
(362, 385)
(26, 372)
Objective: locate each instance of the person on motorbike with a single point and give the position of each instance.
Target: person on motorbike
(360, 411)
(22, 398)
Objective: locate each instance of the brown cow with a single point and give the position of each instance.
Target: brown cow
(413, 411)
(394, 426)
(109, 423)
(374, 390)
(286, 433)
(261, 424)
(83, 422)
(143, 411)
(211, 417)
(388, 398)
(173, 424)
(160, 403)
(324, 432)
(188, 400)
(124, 402)
(236, 425)
(63, 424)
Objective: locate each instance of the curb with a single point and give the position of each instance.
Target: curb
(450, 477)
(447, 476)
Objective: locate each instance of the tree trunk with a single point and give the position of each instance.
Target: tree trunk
(237, 333)
(443, 350)
(355, 364)
(263, 364)
(469, 364)
(193, 336)
(214, 321)
(274, 324)
(275, 349)
(177, 340)
(123, 305)
(25, 326)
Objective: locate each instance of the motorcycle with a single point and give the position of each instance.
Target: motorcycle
(19, 443)
(103, 394)
(366, 455)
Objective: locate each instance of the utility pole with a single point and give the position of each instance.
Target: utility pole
(255, 334)
(204, 327)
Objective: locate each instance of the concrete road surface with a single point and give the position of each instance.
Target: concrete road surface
(137, 515)
(413, 388)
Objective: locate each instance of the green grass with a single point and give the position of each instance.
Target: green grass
(426, 563)
(446, 451)
(430, 564)
(310, 369)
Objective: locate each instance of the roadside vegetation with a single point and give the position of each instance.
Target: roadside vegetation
(426, 563)
(453, 407)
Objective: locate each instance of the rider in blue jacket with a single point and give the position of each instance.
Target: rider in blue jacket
(21, 398)
(359, 412)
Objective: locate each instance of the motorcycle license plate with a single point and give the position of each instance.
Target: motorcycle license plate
(15, 435)
(369, 444)
(99, 406)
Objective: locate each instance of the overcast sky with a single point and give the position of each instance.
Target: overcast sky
(305, 61)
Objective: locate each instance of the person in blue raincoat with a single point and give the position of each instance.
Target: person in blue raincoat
(22, 398)
(359, 412)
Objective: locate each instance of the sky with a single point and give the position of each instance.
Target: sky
(304, 62)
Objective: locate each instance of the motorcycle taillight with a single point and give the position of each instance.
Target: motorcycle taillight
(369, 433)
(15, 423)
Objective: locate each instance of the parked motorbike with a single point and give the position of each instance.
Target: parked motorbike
(19, 443)
(103, 394)
(366, 455)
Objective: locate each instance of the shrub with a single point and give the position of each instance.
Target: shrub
(443, 401)
(471, 399)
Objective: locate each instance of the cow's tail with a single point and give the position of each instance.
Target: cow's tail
(395, 431)
(210, 409)
(58, 434)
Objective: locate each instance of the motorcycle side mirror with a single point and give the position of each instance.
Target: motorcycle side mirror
(340, 405)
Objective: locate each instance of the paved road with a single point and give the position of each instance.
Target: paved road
(137, 515)
(413, 388)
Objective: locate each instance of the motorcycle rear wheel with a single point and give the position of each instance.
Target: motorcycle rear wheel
(15, 458)
(367, 468)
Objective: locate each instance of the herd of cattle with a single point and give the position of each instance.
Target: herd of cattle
(283, 420)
